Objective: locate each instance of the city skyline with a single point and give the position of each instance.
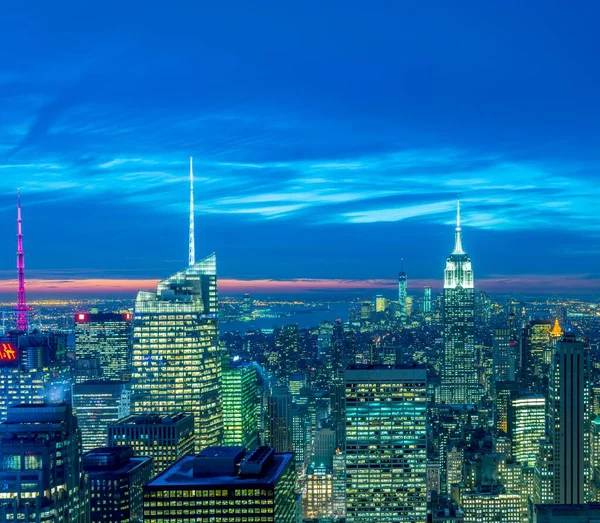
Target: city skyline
(316, 139)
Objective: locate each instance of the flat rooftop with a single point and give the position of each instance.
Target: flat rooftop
(153, 419)
(181, 474)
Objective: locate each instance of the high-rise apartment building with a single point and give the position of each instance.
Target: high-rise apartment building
(222, 484)
(105, 337)
(386, 444)
(176, 358)
(569, 417)
(115, 479)
(164, 438)
(460, 383)
(41, 472)
(97, 404)
(240, 402)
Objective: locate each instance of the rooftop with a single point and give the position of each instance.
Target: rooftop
(181, 473)
(153, 419)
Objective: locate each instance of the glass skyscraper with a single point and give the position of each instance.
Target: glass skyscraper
(105, 337)
(460, 384)
(176, 360)
(386, 444)
(240, 402)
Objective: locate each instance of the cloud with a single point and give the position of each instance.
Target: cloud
(566, 284)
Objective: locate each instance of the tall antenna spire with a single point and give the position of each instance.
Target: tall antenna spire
(21, 300)
(192, 246)
(458, 248)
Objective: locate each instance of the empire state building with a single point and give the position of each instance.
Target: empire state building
(460, 384)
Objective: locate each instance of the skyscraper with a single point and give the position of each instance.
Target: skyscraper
(286, 345)
(427, 300)
(386, 444)
(41, 470)
(165, 438)
(105, 337)
(569, 417)
(460, 384)
(240, 400)
(116, 478)
(402, 294)
(176, 359)
(279, 419)
(97, 404)
(504, 354)
(526, 426)
(222, 484)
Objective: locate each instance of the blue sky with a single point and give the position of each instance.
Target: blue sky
(330, 138)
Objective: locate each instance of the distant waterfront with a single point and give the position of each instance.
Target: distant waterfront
(305, 317)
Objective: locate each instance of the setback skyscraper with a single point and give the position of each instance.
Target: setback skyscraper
(569, 419)
(460, 384)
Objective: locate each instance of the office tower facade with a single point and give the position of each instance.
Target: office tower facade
(279, 420)
(543, 478)
(504, 355)
(115, 479)
(325, 447)
(491, 507)
(504, 391)
(595, 460)
(337, 399)
(222, 484)
(41, 470)
(105, 337)
(402, 295)
(287, 350)
(535, 354)
(240, 404)
(176, 358)
(318, 502)
(569, 417)
(427, 300)
(584, 513)
(164, 438)
(526, 426)
(460, 384)
(18, 384)
(386, 444)
(381, 304)
(97, 404)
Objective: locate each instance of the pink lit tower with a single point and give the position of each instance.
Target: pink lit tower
(21, 300)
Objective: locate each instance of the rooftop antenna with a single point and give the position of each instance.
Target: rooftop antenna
(192, 245)
(21, 299)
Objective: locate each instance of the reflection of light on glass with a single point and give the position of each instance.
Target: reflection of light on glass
(236, 358)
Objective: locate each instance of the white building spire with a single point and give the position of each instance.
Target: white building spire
(458, 248)
(192, 245)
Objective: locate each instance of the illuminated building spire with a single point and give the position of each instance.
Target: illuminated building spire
(192, 245)
(556, 331)
(458, 248)
(21, 300)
